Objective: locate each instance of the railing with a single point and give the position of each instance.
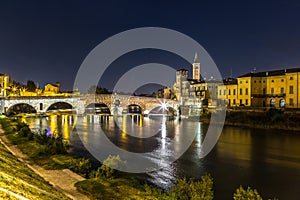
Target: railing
(88, 96)
(268, 95)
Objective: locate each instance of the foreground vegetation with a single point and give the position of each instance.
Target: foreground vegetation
(50, 152)
(17, 179)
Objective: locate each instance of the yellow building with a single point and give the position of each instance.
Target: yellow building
(228, 92)
(51, 90)
(277, 88)
(206, 90)
(4, 84)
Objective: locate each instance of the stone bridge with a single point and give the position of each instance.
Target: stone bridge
(115, 103)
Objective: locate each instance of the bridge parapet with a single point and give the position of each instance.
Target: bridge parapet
(80, 102)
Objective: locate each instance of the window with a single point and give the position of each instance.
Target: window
(228, 91)
(291, 78)
(291, 102)
(246, 81)
(241, 82)
(259, 81)
(241, 101)
(233, 91)
(272, 81)
(264, 81)
(233, 101)
(254, 81)
(224, 92)
(272, 91)
(246, 101)
(282, 80)
(264, 90)
(291, 89)
(220, 92)
(246, 91)
(241, 91)
(282, 90)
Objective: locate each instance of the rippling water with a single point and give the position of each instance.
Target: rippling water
(264, 159)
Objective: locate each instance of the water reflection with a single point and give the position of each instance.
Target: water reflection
(260, 158)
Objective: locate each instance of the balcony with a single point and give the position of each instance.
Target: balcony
(268, 95)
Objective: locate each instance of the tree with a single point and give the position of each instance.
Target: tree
(242, 194)
(109, 165)
(31, 87)
(190, 189)
(97, 90)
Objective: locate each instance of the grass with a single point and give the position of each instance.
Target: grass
(19, 179)
(118, 188)
(37, 153)
(34, 150)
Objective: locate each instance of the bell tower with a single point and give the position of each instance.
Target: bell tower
(196, 68)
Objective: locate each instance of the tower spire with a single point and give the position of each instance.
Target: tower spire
(196, 60)
(196, 68)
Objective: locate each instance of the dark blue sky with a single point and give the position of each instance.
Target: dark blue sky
(46, 41)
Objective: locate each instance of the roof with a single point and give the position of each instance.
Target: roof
(230, 81)
(182, 70)
(196, 59)
(271, 73)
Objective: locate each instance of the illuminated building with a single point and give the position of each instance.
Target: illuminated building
(4, 84)
(196, 68)
(51, 90)
(277, 88)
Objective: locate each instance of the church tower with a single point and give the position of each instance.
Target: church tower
(196, 68)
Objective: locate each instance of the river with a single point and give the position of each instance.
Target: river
(267, 160)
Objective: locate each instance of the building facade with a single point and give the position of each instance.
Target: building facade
(51, 90)
(4, 84)
(277, 88)
(196, 68)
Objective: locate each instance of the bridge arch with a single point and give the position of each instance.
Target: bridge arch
(159, 109)
(134, 108)
(19, 108)
(57, 106)
(97, 107)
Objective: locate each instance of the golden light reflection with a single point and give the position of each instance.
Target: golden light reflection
(141, 121)
(124, 127)
(53, 124)
(65, 124)
(85, 128)
(243, 149)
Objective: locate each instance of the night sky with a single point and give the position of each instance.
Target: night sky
(46, 41)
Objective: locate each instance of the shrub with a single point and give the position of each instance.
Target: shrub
(242, 194)
(21, 125)
(190, 189)
(41, 137)
(24, 131)
(109, 165)
(55, 145)
(81, 166)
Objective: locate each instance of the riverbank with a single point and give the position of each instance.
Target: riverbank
(63, 180)
(103, 183)
(18, 180)
(268, 119)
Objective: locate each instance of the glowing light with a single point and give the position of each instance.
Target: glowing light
(164, 106)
